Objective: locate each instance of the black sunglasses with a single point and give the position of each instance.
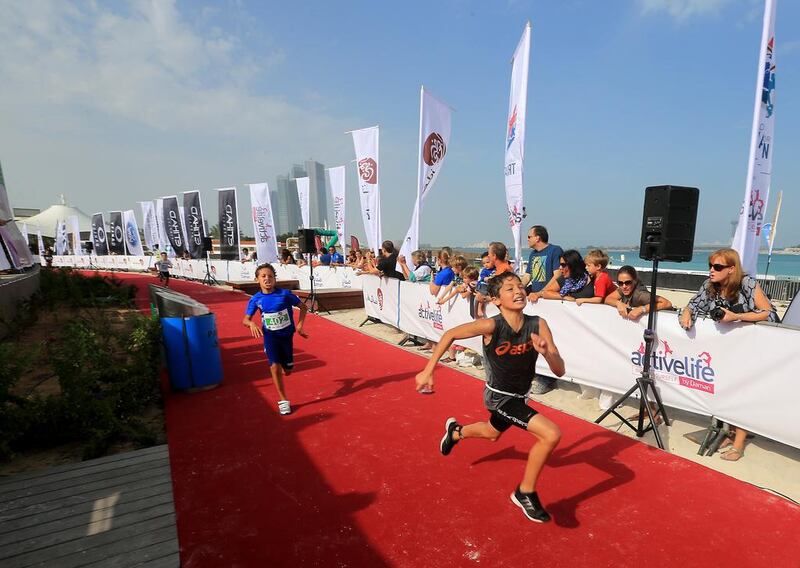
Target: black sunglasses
(717, 267)
(624, 282)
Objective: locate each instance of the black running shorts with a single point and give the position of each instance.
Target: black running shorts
(512, 412)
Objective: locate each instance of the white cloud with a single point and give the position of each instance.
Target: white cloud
(681, 10)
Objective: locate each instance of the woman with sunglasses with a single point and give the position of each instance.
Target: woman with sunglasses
(632, 298)
(573, 282)
(729, 288)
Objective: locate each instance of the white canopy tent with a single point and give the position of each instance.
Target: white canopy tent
(46, 220)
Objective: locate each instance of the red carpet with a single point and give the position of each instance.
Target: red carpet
(354, 477)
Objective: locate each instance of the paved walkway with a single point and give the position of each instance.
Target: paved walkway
(114, 511)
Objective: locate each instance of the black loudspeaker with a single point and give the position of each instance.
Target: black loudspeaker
(208, 245)
(307, 242)
(89, 247)
(668, 223)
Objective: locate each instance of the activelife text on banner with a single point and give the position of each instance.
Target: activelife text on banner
(434, 141)
(263, 223)
(195, 231)
(747, 240)
(515, 140)
(132, 241)
(367, 164)
(228, 224)
(99, 235)
(337, 177)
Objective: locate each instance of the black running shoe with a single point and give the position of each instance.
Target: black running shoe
(447, 443)
(530, 505)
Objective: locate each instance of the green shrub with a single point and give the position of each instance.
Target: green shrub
(107, 375)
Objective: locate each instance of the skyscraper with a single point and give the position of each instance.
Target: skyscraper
(286, 202)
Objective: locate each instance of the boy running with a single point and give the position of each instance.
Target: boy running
(163, 267)
(277, 327)
(512, 341)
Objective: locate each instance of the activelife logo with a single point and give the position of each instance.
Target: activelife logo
(691, 372)
(368, 171)
(377, 299)
(431, 314)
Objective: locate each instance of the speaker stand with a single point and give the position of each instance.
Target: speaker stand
(209, 279)
(311, 300)
(644, 382)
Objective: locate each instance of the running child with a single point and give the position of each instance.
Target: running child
(163, 267)
(512, 341)
(277, 327)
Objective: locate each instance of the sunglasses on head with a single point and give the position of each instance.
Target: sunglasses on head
(717, 267)
(624, 282)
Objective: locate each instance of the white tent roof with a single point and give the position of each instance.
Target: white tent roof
(46, 220)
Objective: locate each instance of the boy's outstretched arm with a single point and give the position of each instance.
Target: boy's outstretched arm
(483, 327)
(255, 329)
(544, 345)
(300, 320)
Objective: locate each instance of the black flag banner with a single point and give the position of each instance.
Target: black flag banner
(228, 224)
(116, 233)
(193, 215)
(99, 235)
(172, 225)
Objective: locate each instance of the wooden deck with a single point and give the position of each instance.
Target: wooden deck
(110, 512)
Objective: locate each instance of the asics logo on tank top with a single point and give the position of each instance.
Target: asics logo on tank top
(506, 348)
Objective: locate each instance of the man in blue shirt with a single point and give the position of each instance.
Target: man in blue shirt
(542, 262)
(335, 257)
(542, 266)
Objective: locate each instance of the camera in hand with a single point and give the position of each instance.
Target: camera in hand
(718, 313)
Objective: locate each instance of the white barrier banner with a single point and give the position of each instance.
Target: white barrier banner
(420, 315)
(242, 271)
(741, 373)
(381, 297)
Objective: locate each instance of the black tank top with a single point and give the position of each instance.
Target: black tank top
(509, 358)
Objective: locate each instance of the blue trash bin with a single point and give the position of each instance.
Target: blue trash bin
(192, 351)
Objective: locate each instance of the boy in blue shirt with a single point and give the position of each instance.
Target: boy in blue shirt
(277, 327)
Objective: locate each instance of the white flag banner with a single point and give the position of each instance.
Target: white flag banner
(747, 238)
(515, 140)
(434, 141)
(150, 226)
(24, 230)
(132, 241)
(337, 177)
(305, 204)
(75, 231)
(366, 145)
(40, 242)
(163, 240)
(62, 240)
(263, 223)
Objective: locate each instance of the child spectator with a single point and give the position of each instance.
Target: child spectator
(163, 267)
(421, 273)
(277, 327)
(596, 262)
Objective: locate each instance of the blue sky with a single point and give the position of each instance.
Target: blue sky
(114, 103)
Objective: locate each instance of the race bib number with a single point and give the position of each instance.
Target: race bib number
(275, 321)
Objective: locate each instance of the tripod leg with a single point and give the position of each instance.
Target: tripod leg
(643, 386)
(617, 403)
